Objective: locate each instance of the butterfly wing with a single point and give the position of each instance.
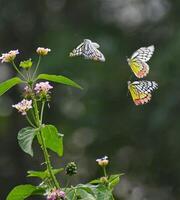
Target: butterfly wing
(143, 54)
(77, 51)
(140, 69)
(91, 51)
(138, 60)
(141, 91)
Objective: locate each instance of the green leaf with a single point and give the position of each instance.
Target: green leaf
(26, 64)
(53, 139)
(80, 192)
(25, 139)
(43, 174)
(102, 193)
(95, 181)
(6, 85)
(59, 79)
(114, 180)
(21, 192)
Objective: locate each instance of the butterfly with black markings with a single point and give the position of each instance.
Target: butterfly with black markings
(138, 61)
(141, 91)
(89, 50)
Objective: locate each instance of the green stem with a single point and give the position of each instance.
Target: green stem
(37, 66)
(48, 163)
(74, 194)
(42, 111)
(30, 122)
(104, 170)
(20, 73)
(43, 145)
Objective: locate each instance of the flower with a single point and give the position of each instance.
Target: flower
(71, 169)
(42, 88)
(55, 194)
(103, 161)
(23, 106)
(27, 92)
(9, 57)
(42, 51)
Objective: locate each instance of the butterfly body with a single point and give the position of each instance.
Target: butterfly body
(141, 91)
(89, 50)
(138, 60)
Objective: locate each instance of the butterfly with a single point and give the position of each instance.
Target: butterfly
(89, 50)
(138, 60)
(141, 91)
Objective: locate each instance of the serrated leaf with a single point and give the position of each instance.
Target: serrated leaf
(114, 180)
(53, 140)
(26, 64)
(43, 174)
(21, 192)
(25, 139)
(6, 85)
(59, 79)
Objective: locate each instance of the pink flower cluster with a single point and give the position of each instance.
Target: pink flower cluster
(9, 57)
(42, 87)
(56, 194)
(23, 106)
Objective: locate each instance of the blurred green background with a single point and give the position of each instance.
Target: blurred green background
(144, 141)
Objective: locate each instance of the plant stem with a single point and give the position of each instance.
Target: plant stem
(20, 73)
(43, 145)
(30, 122)
(42, 110)
(104, 170)
(37, 66)
(48, 163)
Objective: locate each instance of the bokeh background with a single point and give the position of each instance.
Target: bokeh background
(142, 142)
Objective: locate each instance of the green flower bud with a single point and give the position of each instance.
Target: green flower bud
(26, 64)
(71, 169)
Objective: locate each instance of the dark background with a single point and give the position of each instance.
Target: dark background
(143, 142)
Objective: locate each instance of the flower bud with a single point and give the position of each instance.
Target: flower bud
(71, 169)
(103, 161)
(42, 51)
(104, 180)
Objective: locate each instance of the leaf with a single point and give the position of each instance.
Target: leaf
(95, 181)
(59, 79)
(6, 85)
(25, 139)
(80, 192)
(114, 180)
(103, 193)
(43, 174)
(53, 140)
(21, 192)
(26, 64)
(84, 194)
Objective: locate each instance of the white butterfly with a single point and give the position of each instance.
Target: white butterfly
(89, 50)
(138, 60)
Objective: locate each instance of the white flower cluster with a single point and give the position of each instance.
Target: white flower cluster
(9, 57)
(102, 161)
(23, 106)
(42, 51)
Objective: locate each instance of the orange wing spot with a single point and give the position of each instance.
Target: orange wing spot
(143, 100)
(144, 71)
